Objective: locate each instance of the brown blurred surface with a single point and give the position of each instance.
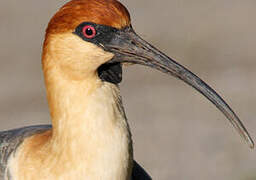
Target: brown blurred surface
(177, 133)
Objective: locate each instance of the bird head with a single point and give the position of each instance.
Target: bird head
(95, 37)
(78, 34)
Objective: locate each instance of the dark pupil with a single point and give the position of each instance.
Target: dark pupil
(89, 31)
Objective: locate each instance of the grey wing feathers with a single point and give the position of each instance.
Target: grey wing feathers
(10, 141)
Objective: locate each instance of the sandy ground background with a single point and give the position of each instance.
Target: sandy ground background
(177, 133)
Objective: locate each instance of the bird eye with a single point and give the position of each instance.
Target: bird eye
(89, 31)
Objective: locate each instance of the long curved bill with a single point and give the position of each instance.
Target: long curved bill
(129, 47)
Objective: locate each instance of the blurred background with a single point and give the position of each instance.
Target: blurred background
(177, 133)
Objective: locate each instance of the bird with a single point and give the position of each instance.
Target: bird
(87, 43)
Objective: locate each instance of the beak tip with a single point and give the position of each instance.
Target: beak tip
(249, 140)
(251, 144)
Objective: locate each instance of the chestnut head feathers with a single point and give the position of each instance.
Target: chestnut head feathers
(106, 12)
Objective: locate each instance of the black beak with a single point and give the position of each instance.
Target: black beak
(130, 48)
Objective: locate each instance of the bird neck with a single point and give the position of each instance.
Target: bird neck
(87, 113)
(90, 137)
(71, 103)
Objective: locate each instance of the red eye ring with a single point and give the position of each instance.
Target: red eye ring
(89, 31)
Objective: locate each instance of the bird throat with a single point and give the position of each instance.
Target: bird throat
(110, 72)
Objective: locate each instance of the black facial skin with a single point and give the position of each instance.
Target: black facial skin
(110, 72)
(104, 34)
